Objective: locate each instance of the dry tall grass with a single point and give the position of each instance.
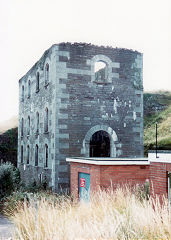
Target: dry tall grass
(110, 215)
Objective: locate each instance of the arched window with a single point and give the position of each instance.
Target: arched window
(36, 155)
(37, 122)
(22, 127)
(46, 120)
(28, 154)
(46, 74)
(22, 157)
(29, 85)
(37, 81)
(28, 126)
(100, 144)
(22, 94)
(46, 156)
(100, 70)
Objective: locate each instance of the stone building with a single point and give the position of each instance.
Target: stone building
(79, 100)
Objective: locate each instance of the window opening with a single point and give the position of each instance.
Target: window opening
(28, 127)
(22, 127)
(100, 70)
(46, 120)
(37, 81)
(22, 95)
(37, 122)
(22, 158)
(46, 74)
(46, 155)
(28, 154)
(36, 155)
(100, 144)
(29, 84)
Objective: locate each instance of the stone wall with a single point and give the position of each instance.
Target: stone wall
(33, 102)
(79, 105)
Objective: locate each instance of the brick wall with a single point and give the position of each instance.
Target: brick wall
(104, 176)
(126, 174)
(159, 178)
(94, 172)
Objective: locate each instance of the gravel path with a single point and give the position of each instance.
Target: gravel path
(6, 228)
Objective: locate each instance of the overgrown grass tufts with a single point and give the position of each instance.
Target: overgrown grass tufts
(111, 214)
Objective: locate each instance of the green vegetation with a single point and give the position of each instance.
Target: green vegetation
(11, 203)
(9, 179)
(159, 112)
(8, 146)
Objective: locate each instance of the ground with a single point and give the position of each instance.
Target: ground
(6, 228)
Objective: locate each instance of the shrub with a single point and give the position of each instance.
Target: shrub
(9, 179)
(14, 201)
(34, 187)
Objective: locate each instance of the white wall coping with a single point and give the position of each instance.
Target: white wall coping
(110, 161)
(162, 157)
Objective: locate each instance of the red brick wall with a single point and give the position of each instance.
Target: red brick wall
(94, 172)
(103, 176)
(125, 174)
(159, 178)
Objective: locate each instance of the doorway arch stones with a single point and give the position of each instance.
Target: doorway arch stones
(113, 139)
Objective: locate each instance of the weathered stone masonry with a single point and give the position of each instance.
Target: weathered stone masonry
(79, 105)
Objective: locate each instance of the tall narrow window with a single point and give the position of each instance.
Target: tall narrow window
(22, 154)
(46, 156)
(36, 155)
(46, 120)
(28, 126)
(100, 69)
(29, 86)
(22, 94)
(28, 154)
(37, 123)
(37, 81)
(22, 127)
(46, 74)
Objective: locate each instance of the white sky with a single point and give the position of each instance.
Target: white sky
(29, 27)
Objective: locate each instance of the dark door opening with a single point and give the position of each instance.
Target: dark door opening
(100, 144)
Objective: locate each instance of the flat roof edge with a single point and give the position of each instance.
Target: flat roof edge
(109, 162)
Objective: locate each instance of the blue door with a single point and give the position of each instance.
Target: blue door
(84, 186)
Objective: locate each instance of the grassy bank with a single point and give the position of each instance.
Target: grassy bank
(164, 130)
(110, 215)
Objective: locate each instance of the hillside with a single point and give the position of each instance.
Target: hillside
(157, 108)
(10, 123)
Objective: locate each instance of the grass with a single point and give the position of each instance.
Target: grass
(164, 129)
(118, 214)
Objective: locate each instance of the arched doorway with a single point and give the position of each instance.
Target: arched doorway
(100, 144)
(85, 151)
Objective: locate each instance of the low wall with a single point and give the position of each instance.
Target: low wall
(118, 171)
(103, 174)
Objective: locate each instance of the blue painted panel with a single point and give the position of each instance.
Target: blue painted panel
(84, 186)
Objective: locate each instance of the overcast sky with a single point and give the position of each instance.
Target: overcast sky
(29, 27)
